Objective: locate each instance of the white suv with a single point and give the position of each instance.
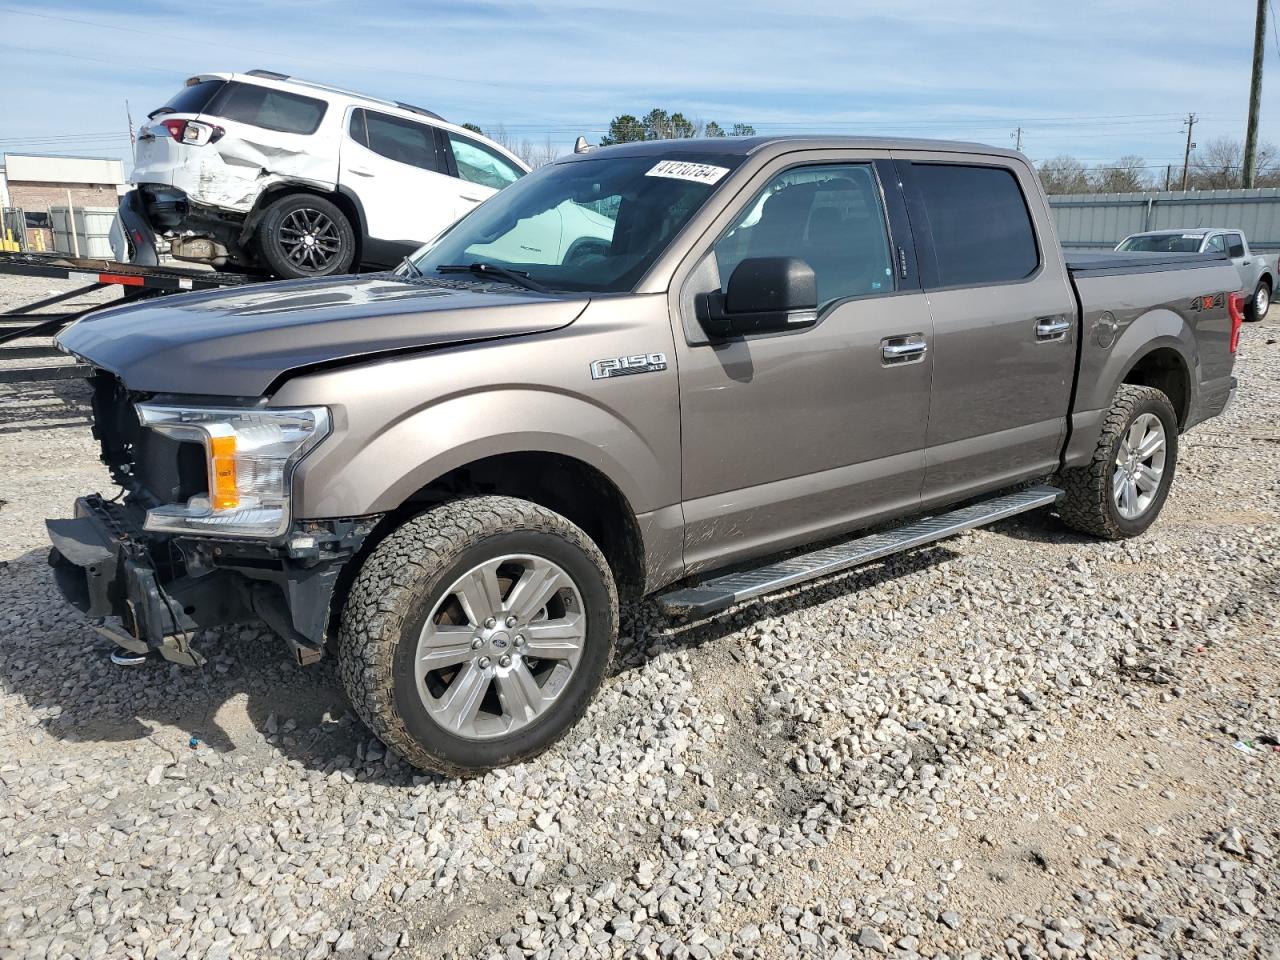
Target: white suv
(262, 171)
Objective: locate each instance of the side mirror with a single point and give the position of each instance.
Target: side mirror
(764, 295)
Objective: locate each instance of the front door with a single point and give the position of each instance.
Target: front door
(482, 171)
(1004, 324)
(398, 169)
(788, 437)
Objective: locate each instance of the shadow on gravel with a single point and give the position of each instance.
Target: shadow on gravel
(59, 403)
(248, 700)
(1040, 526)
(649, 642)
(251, 699)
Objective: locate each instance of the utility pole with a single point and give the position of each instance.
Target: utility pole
(1016, 137)
(1186, 157)
(1255, 95)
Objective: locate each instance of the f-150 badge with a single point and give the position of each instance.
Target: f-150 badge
(625, 366)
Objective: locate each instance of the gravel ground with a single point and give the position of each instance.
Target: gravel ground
(1020, 743)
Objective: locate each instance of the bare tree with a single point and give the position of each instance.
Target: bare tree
(1126, 175)
(1064, 174)
(1219, 165)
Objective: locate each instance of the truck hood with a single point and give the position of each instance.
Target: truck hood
(236, 343)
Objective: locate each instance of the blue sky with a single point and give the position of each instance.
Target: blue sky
(1092, 78)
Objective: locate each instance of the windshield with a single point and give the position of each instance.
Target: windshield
(1161, 243)
(594, 225)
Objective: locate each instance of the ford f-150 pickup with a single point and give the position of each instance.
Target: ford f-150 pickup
(447, 476)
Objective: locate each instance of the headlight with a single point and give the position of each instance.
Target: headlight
(250, 455)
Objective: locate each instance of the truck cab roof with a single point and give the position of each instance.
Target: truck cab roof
(750, 146)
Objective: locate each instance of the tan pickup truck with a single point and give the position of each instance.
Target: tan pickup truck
(448, 475)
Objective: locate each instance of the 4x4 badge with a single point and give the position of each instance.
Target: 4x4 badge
(625, 366)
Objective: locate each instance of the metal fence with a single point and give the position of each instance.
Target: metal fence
(1100, 221)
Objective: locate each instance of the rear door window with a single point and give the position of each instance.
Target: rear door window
(1235, 245)
(479, 164)
(981, 228)
(1216, 244)
(397, 139)
(268, 108)
(191, 98)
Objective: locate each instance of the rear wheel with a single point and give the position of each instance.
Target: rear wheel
(477, 633)
(1120, 493)
(1260, 303)
(303, 235)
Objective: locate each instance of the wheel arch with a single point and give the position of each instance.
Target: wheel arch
(577, 491)
(1166, 369)
(348, 203)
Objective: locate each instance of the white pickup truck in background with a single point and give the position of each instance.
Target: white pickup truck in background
(1257, 273)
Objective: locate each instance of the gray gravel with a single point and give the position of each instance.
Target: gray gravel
(1021, 743)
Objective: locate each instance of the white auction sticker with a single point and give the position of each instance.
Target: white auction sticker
(683, 170)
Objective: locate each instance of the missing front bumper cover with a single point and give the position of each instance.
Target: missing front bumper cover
(162, 590)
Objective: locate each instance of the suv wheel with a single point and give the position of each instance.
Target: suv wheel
(476, 634)
(1120, 493)
(1261, 302)
(303, 235)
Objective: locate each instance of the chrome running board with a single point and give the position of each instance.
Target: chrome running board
(720, 593)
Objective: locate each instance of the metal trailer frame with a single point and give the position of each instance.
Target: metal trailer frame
(138, 282)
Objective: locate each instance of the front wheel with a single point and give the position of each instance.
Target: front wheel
(476, 634)
(1260, 303)
(303, 235)
(1121, 491)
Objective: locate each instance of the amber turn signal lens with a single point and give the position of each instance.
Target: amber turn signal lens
(223, 491)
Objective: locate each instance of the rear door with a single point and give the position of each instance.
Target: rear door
(398, 169)
(1243, 261)
(1004, 322)
(787, 437)
(482, 170)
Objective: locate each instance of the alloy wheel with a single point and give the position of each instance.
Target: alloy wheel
(500, 646)
(1139, 466)
(309, 240)
(1261, 301)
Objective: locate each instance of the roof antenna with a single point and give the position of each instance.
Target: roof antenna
(581, 146)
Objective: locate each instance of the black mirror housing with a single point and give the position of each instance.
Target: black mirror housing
(764, 295)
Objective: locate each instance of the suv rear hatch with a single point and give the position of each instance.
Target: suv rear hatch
(222, 141)
(156, 153)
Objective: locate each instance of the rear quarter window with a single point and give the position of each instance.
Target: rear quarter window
(978, 218)
(268, 108)
(191, 99)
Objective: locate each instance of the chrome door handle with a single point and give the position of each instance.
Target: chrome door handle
(910, 348)
(1052, 328)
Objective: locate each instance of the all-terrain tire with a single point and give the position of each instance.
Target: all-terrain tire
(1088, 505)
(405, 577)
(282, 236)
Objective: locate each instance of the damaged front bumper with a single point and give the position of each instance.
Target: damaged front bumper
(151, 592)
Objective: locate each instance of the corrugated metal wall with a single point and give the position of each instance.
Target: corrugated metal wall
(1100, 221)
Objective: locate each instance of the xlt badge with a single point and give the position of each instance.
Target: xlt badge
(625, 366)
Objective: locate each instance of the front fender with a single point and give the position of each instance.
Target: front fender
(388, 469)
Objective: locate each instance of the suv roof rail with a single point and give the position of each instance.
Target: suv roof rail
(419, 110)
(273, 75)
